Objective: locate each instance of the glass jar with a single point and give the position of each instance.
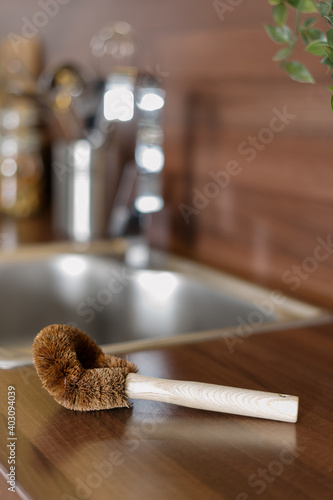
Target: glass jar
(21, 164)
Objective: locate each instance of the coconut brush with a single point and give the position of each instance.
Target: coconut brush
(76, 372)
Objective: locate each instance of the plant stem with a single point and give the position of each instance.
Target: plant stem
(298, 20)
(295, 38)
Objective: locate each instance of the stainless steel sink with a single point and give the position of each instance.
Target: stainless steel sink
(123, 308)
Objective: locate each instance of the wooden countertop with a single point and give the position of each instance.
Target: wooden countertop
(155, 450)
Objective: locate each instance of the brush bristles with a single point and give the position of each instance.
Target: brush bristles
(76, 372)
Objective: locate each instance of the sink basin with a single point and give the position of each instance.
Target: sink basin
(125, 309)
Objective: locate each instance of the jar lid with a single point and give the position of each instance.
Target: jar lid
(20, 113)
(13, 144)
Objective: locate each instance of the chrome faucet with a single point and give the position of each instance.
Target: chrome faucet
(140, 187)
(79, 167)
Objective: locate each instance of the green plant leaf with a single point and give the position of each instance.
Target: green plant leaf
(306, 6)
(281, 54)
(280, 14)
(274, 2)
(324, 7)
(327, 61)
(305, 39)
(308, 23)
(329, 36)
(329, 19)
(315, 48)
(329, 51)
(315, 34)
(330, 88)
(298, 72)
(279, 35)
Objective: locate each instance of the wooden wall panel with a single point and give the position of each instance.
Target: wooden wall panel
(271, 214)
(311, 175)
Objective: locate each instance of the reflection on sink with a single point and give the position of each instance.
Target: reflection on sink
(110, 302)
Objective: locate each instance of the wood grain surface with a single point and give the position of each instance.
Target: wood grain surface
(155, 450)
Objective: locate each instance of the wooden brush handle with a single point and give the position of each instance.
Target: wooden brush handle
(214, 397)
